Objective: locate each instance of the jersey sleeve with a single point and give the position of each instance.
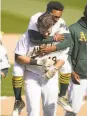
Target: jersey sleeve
(63, 28)
(33, 21)
(22, 45)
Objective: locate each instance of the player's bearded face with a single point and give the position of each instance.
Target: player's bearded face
(56, 15)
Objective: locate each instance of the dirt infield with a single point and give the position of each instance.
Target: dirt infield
(9, 41)
(8, 102)
(7, 107)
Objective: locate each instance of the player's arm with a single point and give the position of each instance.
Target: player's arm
(55, 67)
(37, 38)
(4, 72)
(26, 60)
(21, 50)
(65, 43)
(75, 77)
(59, 64)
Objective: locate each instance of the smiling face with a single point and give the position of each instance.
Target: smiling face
(56, 15)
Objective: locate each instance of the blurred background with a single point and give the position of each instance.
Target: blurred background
(15, 15)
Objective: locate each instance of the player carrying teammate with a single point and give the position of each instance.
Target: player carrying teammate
(41, 77)
(58, 30)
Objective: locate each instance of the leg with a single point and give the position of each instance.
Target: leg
(70, 114)
(78, 93)
(64, 82)
(33, 95)
(49, 96)
(19, 103)
(17, 82)
(63, 98)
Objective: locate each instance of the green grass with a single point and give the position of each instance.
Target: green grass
(6, 85)
(16, 13)
(13, 24)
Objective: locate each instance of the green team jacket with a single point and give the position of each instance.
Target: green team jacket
(78, 32)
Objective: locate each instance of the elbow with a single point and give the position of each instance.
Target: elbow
(17, 58)
(4, 72)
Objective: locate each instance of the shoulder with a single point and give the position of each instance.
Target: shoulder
(61, 21)
(33, 21)
(74, 26)
(35, 16)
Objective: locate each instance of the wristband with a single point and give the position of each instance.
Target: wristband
(33, 61)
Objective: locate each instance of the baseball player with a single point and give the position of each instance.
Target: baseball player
(79, 61)
(4, 64)
(41, 77)
(59, 27)
(59, 31)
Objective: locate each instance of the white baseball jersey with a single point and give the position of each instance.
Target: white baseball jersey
(3, 58)
(18, 69)
(25, 47)
(59, 27)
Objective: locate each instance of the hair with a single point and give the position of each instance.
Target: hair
(45, 21)
(54, 5)
(85, 11)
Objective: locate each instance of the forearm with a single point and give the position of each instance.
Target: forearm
(65, 43)
(26, 60)
(36, 37)
(4, 72)
(59, 63)
(22, 59)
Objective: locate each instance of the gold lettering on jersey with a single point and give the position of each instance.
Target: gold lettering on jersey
(83, 37)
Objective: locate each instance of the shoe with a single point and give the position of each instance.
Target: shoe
(70, 114)
(65, 104)
(18, 106)
(15, 113)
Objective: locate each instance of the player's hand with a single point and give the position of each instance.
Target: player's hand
(50, 72)
(58, 37)
(2, 75)
(75, 78)
(46, 49)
